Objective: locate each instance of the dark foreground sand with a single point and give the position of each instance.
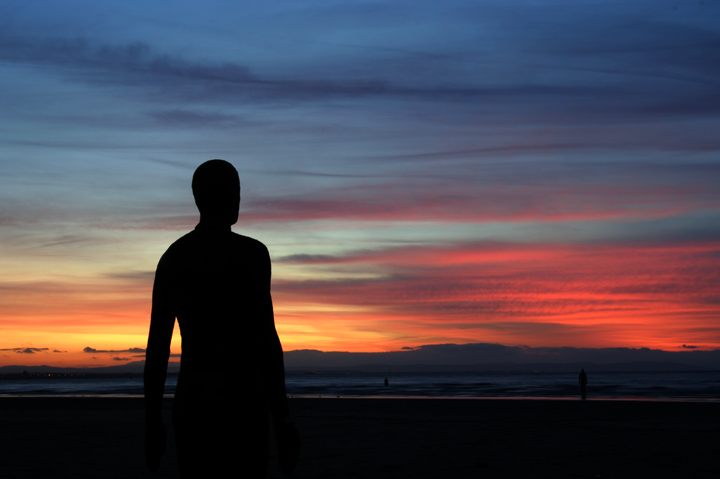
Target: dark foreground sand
(391, 438)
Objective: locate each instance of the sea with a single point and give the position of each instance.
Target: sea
(689, 386)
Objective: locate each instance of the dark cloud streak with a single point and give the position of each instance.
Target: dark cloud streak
(26, 350)
(135, 64)
(113, 351)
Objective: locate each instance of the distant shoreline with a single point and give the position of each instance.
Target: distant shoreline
(688, 387)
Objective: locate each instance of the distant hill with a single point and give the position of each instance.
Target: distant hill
(496, 357)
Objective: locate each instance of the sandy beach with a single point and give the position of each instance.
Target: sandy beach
(390, 438)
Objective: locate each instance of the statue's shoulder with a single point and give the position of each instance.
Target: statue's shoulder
(250, 244)
(179, 248)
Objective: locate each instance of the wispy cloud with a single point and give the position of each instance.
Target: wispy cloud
(115, 63)
(196, 119)
(463, 203)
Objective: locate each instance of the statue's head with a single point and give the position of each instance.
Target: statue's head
(216, 188)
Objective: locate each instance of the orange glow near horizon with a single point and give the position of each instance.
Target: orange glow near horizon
(536, 295)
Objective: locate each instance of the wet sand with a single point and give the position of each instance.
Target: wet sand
(390, 438)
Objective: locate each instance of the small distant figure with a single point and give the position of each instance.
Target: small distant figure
(386, 381)
(583, 383)
(217, 284)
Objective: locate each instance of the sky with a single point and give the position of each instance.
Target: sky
(523, 173)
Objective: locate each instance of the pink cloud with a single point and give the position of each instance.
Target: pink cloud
(477, 203)
(643, 290)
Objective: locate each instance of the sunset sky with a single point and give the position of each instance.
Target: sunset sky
(540, 173)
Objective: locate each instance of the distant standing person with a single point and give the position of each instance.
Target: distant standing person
(217, 284)
(583, 383)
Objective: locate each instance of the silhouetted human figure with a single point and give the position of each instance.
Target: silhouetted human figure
(386, 381)
(583, 383)
(217, 284)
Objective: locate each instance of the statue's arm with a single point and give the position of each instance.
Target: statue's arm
(286, 434)
(274, 370)
(157, 354)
